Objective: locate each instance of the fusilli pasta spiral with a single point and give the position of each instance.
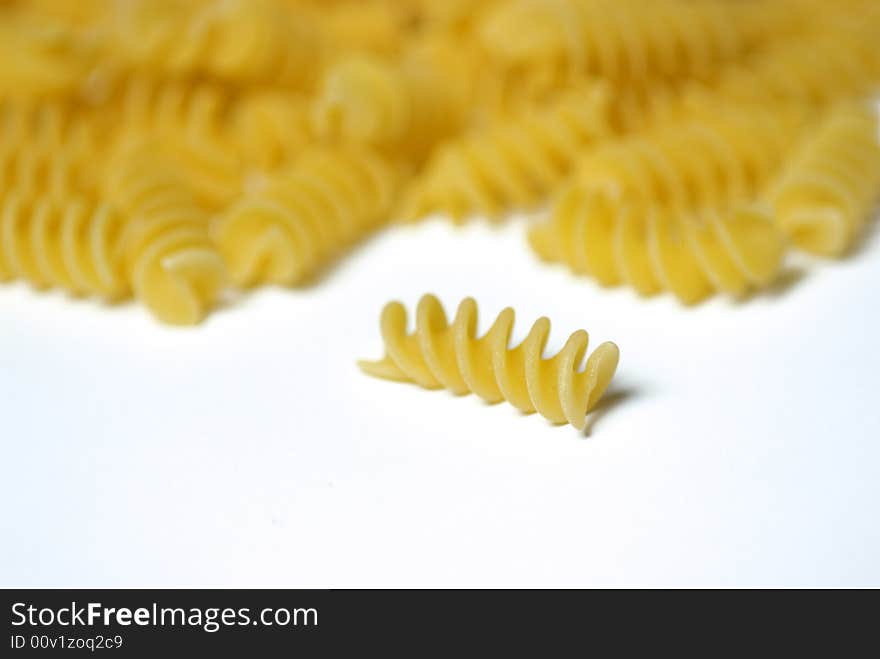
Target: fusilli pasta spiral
(190, 120)
(143, 143)
(237, 40)
(710, 162)
(512, 163)
(452, 16)
(167, 255)
(675, 209)
(285, 232)
(40, 56)
(271, 128)
(409, 106)
(79, 13)
(362, 27)
(45, 148)
(814, 70)
(830, 187)
(620, 39)
(691, 254)
(447, 355)
(68, 243)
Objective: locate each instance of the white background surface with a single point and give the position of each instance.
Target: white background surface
(742, 446)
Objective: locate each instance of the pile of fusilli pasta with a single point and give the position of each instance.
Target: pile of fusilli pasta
(173, 150)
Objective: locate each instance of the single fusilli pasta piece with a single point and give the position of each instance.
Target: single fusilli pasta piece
(514, 162)
(439, 354)
(301, 219)
(829, 189)
(167, 255)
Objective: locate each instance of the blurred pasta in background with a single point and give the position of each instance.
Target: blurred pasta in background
(171, 151)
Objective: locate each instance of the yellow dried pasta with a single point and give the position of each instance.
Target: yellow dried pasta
(692, 254)
(364, 99)
(40, 56)
(81, 13)
(287, 231)
(33, 173)
(269, 135)
(705, 162)
(619, 39)
(166, 251)
(408, 106)
(676, 209)
(830, 57)
(271, 128)
(62, 242)
(813, 70)
(169, 106)
(44, 151)
(451, 16)
(52, 232)
(357, 26)
(190, 120)
(440, 354)
(237, 40)
(513, 163)
(829, 189)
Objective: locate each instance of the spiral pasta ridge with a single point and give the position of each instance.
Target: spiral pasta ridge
(650, 248)
(515, 162)
(708, 162)
(237, 40)
(67, 243)
(828, 190)
(675, 210)
(409, 105)
(75, 13)
(44, 149)
(147, 146)
(365, 100)
(439, 354)
(174, 106)
(813, 70)
(270, 128)
(620, 40)
(351, 25)
(455, 17)
(285, 232)
(34, 172)
(189, 120)
(166, 251)
(42, 56)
